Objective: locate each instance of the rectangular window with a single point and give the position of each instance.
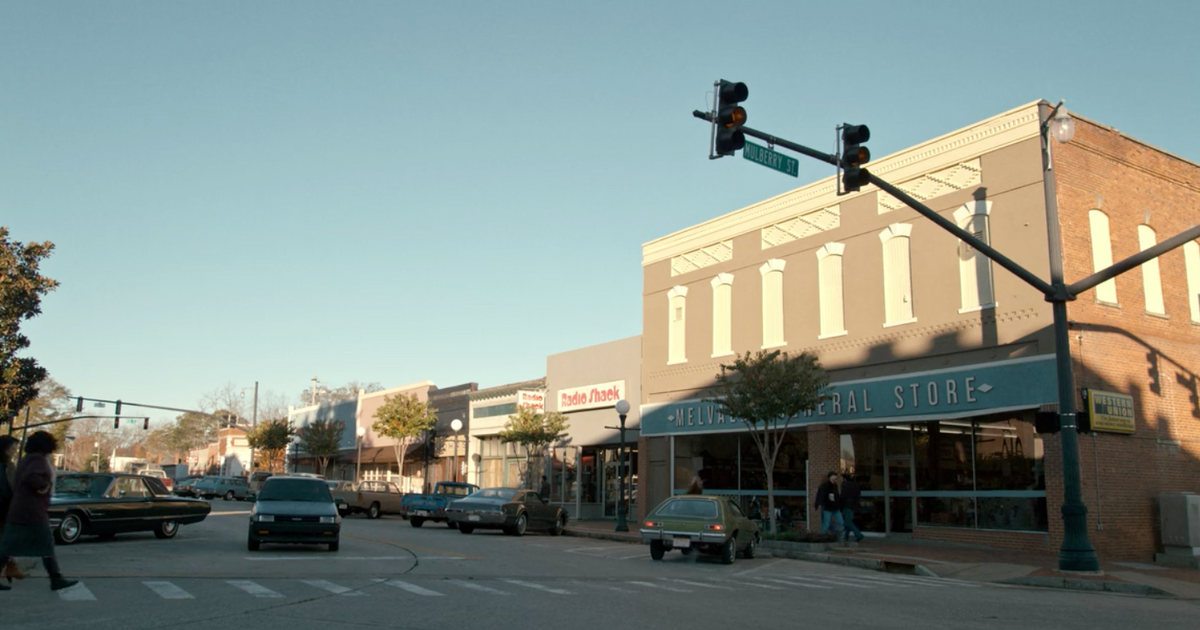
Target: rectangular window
(722, 317)
(1151, 280)
(829, 272)
(496, 410)
(772, 303)
(975, 269)
(897, 281)
(677, 337)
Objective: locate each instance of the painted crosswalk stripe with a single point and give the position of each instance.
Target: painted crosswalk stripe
(824, 580)
(478, 587)
(662, 586)
(167, 590)
(789, 583)
(336, 589)
(916, 579)
(253, 588)
(874, 581)
(757, 584)
(77, 593)
(700, 584)
(588, 586)
(540, 587)
(414, 589)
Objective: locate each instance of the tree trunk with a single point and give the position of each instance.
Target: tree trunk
(769, 467)
(400, 451)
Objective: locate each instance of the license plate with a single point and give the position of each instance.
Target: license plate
(682, 543)
(473, 517)
(423, 513)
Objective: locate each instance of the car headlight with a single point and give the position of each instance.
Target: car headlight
(265, 518)
(329, 519)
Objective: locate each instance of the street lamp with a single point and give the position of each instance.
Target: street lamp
(622, 411)
(1076, 553)
(456, 425)
(358, 462)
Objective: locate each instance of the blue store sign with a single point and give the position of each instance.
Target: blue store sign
(933, 395)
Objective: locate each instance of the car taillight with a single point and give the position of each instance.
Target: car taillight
(715, 528)
(653, 524)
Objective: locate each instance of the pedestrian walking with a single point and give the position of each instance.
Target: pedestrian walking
(9, 571)
(851, 498)
(829, 504)
(27, 528)
(544, 491)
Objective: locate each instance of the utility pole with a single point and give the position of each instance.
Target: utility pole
(253, 428)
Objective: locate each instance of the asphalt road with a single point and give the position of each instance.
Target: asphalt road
(389, 574)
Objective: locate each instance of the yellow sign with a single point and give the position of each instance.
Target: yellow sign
(1111, 411)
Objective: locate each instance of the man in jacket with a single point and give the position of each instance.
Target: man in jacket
(851, 496)
(829, 504)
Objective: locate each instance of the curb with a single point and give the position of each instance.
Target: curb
(1088, 585)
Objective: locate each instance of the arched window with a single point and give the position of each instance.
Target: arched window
(1151, 279)
(974, 269)
(829, 276)
(1191, 260)
(772, 302)
(722, 286)
(897, 275)
(677, 314)
(1102, 255)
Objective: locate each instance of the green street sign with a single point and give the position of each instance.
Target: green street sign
(770, 159)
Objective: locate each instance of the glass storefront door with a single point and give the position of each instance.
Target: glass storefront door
(899, 494)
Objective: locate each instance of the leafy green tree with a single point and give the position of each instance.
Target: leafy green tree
(404, 417)
(322, 439)
(534, 431)
(21, 291)
(272, 438)
(765, 391)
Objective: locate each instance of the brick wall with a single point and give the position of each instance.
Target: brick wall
(824, 455)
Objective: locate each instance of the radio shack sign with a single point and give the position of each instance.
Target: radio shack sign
(532, 398)
(590, 396)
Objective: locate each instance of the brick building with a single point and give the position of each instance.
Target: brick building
(939, 359)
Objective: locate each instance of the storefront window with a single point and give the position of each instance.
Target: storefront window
(942, 452)
(1008, 455)
(712, 457)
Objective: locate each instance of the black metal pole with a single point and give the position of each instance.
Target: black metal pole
(622, 526)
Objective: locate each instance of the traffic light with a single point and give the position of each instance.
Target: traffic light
(116, 423)
(854, 155)
(118, 412)
(729, 118)
(79, 404)
(145, 424)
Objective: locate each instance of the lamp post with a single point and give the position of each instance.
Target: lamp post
(622, 526)
(456, 425)
(1076, 553)
(358, 461)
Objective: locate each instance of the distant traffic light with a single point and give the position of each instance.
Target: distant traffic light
(79, 404)
(854, 155)
(729, 118)
(145, 424)
(116, 423)
(118, 413)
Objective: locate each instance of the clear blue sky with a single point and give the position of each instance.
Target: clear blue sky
(398, 191)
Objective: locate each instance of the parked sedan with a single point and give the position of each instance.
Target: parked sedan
(510, 509)
(294, 510)
(228, 488)
(109, 504)
(709, 524)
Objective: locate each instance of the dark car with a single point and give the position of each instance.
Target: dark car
(294, 510)
(186, 487)
(105, 505)
(510, 509)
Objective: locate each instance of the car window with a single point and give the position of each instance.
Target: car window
(533, 499)
(458, 491)
(280, 489)
(735, 509)
(692, 508)
(506, 494)
(393, 489)
(80, 485)
(128, 488)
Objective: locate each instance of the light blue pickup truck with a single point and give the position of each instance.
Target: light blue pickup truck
(418, 508)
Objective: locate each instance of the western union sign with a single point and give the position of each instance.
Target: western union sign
(1110, 411)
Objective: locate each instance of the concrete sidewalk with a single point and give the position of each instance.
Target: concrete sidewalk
(976, 564)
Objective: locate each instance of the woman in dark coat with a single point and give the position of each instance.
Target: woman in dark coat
(8, 451)
(27, 530)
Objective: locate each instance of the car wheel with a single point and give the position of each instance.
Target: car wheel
(343, 512)
(229, 495)
(751, 548)
(452, 524)
(374, 511)
(333, 546)
(559, 526)
(687, 551)
(729, 550)
(466, 529)
(252, 544)
(657, 550)
(521, 526)
(166, 529)
(417, 521)
(70, 529)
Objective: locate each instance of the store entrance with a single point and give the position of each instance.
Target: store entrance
(899, 495)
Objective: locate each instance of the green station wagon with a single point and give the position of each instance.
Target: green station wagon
(708, 524)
